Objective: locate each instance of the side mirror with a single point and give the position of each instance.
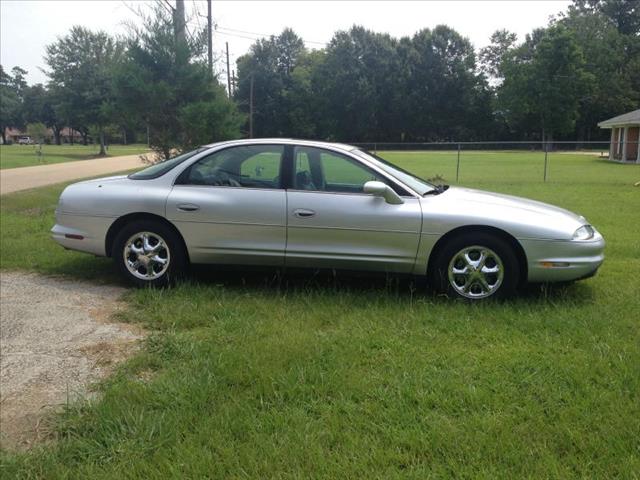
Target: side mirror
(379, 189)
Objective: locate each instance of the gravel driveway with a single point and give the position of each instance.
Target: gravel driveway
(55, 340)
(23, 178)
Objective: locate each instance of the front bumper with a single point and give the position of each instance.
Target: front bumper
(563, 260)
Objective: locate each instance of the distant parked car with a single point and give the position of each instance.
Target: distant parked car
(25, 141)
(311, 204)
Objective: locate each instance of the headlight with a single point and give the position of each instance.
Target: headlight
(585, 232)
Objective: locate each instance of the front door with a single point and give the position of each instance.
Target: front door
(332, 223)
(230, 207)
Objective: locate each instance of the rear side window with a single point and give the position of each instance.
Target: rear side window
(249, 166)
(159, 169)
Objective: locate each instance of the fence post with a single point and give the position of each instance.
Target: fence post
(375, 148)
(458, 165)
(546, 151)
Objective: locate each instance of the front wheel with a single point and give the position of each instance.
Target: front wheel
(476, 267)
(149, 254)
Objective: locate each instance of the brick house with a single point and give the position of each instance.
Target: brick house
(625, 136)
(67, 135)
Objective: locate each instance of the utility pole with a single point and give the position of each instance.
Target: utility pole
(210, 36)
(179, 22)
(251, 108)
(228, 72)
(234, 81)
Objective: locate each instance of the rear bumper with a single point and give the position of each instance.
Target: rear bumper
(82, 233)
(562, 261)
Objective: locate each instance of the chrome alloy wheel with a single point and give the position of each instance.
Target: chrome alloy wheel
(146, 255)
(476, 272)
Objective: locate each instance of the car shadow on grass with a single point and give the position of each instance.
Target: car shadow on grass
(395, 285)
(279, 281)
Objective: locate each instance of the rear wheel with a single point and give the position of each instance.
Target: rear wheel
(149, 253)
(476, 267)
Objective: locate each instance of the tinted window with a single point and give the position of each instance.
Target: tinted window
(251, 166)
(327, 171)
(154, 171)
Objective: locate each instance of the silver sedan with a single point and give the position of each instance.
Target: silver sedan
(290, 203)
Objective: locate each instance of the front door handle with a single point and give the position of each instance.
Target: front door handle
(188, 207)
(303, 213)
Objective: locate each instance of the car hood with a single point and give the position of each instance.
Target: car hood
(521, 217)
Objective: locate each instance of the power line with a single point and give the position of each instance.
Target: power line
(233, 30)
(197, 14)
(236, 35)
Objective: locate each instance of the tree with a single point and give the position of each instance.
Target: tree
(544, 82)
(448, 99)
(271, 66)
(37, 131)
(81, 67)
(358, 86)
(10, 104)
(40, 105)
(164, 83)
(613, 59)
(491, 56)
(624, 14)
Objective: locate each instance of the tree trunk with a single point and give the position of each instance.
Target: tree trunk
(84, 137)
(102, 152)
(56, 134)
(4, 138)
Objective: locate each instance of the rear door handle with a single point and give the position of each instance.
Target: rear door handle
(303, 213)
(188, 207)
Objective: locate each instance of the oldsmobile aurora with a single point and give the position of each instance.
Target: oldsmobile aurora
(293, 203)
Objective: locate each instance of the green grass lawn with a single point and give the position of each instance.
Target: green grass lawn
(13, 156)
(260, 375)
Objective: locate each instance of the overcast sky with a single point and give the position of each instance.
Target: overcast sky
(27, 26)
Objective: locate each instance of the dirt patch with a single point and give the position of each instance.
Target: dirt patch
(56, 338)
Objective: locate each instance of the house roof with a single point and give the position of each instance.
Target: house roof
(630, 118)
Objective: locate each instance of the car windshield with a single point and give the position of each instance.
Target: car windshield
(419, 185)
(158, 169)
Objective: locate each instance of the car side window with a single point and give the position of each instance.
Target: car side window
(326, 171)
(250, 166)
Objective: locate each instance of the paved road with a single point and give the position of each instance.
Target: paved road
(16, 179)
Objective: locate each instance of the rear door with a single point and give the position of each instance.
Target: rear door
(231, 208)
(332, 223)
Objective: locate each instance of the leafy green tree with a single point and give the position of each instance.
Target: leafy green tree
(10, 103)
(37, 131)
(448, 99)
(491, 56)
(41, 105)
(81, 66)
(359, 87)
(613, 58)
(544, 82)
(623, 14)
(165, 84)
(271, 66)
(301, 100)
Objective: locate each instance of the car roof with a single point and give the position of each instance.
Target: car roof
(285, 141)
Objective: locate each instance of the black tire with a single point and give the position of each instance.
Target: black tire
(500, 257)
(170, 247)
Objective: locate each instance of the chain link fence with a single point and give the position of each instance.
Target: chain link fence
(517, 161)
